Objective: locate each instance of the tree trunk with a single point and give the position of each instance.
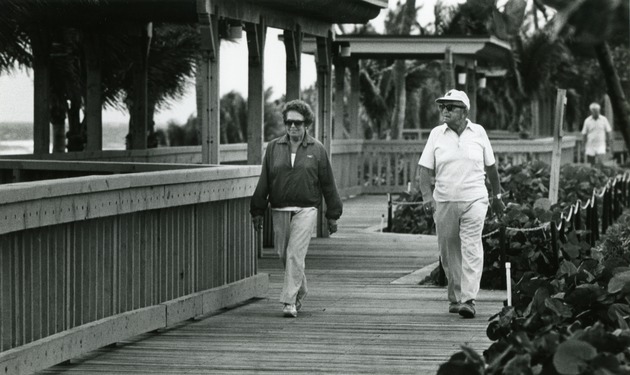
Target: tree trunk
(400, 73)
(76, 134)
(58, 111)
(620, 106)
(398, 117)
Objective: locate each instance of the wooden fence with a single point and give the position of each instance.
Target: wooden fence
(391, 165)
(89, 261)
(371, 167)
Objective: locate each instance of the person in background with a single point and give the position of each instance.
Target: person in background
(296, 172)
(597, 135)
(458, 155)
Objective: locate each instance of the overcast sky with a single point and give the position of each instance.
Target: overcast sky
(16, 91)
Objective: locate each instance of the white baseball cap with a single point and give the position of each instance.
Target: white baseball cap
(455, 96)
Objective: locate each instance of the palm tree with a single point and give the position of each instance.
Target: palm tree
(597, 23)
(171, 61)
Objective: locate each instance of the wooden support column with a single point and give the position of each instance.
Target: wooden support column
(140, 117)
(339, 114)
(324, 113)
(356, 132)
(556, 155)
(208, 83)
(94, 95)
(41, 89)
(256, 91)
(293, 47)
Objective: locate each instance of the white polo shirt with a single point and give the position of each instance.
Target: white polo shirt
(595, 131)
(459, 162)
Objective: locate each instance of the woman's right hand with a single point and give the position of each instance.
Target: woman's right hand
(258, 223)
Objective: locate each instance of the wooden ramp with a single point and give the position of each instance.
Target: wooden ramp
(354, 321)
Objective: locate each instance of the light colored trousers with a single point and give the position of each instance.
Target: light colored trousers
(459, 226)
(292, 235)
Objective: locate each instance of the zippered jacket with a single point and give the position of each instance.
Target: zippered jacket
(301, 185)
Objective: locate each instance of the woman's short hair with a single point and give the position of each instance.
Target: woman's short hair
(302, 108)
(594, 106)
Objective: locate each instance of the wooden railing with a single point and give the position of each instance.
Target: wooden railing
(391, 165)
(383, 166)
(89, 261)
(618, 149)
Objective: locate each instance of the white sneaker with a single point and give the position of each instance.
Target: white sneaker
(289, 311)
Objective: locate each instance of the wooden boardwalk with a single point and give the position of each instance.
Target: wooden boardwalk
(355, 320)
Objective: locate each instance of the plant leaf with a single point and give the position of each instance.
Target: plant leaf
(518, 365)
(619, 282)
(572, 356)
(558, 307)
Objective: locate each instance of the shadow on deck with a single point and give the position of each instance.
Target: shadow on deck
(354, 319)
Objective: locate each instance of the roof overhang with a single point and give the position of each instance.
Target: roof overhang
(488, 50)
(314, 17)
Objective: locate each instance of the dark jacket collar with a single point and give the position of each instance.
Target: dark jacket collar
(306, 141)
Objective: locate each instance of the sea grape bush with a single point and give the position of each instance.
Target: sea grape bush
(526, 188)
(574, 322)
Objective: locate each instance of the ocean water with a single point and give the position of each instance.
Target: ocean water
(17, 137)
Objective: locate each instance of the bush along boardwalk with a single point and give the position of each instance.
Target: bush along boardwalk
(571, 308)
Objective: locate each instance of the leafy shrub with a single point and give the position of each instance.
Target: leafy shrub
(572, 322)
(412, 218)
(615, 246)
(526, 189)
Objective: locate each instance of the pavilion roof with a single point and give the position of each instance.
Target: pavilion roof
(489, 50)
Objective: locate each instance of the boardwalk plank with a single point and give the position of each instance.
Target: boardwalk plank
(354, 320)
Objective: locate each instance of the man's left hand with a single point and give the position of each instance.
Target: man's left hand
(332, 226)
(497, 206)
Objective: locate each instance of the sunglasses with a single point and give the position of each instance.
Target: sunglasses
(297, 123)
(449, 107)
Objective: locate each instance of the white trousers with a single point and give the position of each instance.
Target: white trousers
(292, 235)
(459, 226)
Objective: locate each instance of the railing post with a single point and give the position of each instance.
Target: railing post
(389, 212)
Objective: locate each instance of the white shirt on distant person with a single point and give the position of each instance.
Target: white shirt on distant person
(595, 131)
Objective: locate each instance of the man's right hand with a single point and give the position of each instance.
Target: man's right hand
(429, 206)
(258, 223)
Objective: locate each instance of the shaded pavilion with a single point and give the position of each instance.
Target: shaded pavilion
(125, 247)
(472, 57)
(214, 18)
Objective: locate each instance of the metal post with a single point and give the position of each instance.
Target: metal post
(554, 244)
(508, 282)
(502, 248)
(577, 217)
(595, 220)
(605, 210)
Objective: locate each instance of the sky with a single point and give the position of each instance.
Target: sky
(16, 91)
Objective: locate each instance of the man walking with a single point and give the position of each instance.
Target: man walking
(597, 135)
(296, 172)
(458, 155)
